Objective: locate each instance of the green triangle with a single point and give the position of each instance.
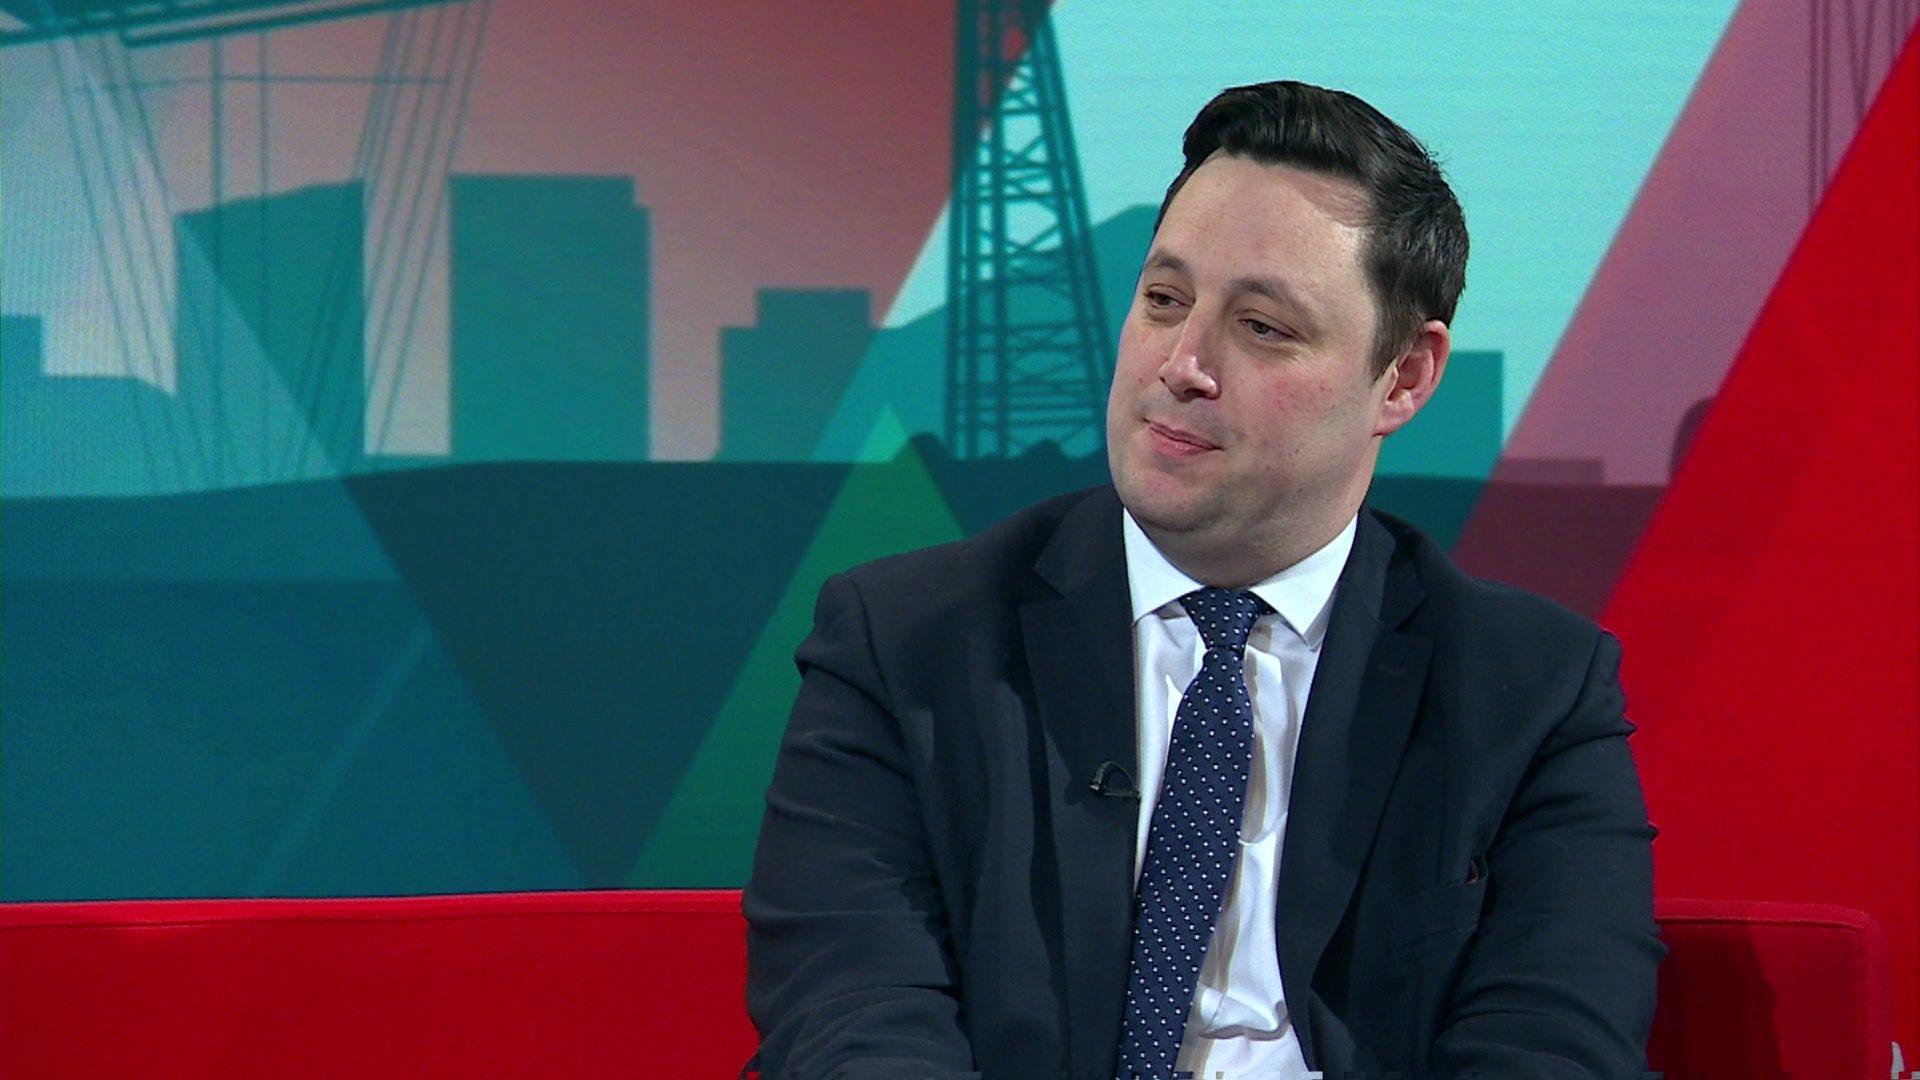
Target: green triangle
(705, 836)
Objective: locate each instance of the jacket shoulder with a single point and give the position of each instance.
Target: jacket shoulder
(998, 559)
(1512, 665)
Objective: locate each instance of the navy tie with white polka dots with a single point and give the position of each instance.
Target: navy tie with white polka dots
(1195, 835)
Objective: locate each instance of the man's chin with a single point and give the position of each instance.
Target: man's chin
(1161, 504)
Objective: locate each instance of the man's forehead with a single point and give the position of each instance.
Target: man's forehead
(1339, 197)
(1233, 252)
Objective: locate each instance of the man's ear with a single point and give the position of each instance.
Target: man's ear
(1413, 376)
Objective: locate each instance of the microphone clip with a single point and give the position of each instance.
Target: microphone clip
(1112, 781)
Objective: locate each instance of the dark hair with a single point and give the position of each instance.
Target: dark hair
(1416, 247)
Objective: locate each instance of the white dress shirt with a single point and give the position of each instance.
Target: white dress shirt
(1239, 1025)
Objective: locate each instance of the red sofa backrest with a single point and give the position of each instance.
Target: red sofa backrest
(649, 984)
(1752, 989)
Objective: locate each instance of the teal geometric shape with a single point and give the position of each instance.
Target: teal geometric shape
(901, 376)
(704, 837)
(416, 796)
(158, 734)
(1457, 433)
(574, 600)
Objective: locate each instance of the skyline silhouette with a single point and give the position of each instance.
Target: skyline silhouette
(550, 296)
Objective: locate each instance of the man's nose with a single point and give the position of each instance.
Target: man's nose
(1187, 371)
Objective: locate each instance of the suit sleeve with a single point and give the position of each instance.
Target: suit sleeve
(850, 967)
(1559, 981)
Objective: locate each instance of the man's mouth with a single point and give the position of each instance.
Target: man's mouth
(1173, 440)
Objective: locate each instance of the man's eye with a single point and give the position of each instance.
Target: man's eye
(1263, 331)
(1157, 299)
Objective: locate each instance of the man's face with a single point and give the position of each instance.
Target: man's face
(1244, 411)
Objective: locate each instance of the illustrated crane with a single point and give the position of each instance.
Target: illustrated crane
(1027, 346)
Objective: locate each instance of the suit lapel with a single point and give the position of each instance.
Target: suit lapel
(1366, 691)
(1079, 647)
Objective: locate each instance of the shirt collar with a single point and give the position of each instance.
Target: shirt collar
(1302, 594)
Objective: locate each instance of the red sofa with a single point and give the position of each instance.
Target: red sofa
(1751, 989)
(537, 984)
(649, 984)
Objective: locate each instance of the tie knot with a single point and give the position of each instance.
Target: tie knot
(1224, 616)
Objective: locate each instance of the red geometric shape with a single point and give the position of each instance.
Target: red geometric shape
(1683, 280)
(1771, 614)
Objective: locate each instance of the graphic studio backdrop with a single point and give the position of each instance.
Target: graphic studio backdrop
(426, 425)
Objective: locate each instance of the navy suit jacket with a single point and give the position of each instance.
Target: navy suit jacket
(1466, 875)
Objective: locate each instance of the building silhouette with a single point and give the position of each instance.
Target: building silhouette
(1686, 432)
(1554, 472)
(550, 352)
(64, 435)
(782, 378)
(269, 333)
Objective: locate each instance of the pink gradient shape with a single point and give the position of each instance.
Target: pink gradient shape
(775, 146)
(1702, 245)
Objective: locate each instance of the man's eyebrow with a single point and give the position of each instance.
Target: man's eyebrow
(1273, 289)
(1166, 260)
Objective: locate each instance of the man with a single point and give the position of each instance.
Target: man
(1217, 770)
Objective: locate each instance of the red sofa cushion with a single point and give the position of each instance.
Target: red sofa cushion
(650, 983)
(544, 984)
